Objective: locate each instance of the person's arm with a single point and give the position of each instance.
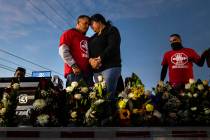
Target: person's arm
(202, 59)
(163, 72)
(113, 46)
(68, 58)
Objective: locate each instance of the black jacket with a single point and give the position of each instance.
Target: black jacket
(107, 46)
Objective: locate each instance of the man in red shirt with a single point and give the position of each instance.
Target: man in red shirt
(73, 50)
(180, 62)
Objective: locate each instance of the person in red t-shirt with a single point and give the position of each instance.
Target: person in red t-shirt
(73, 49)
(180, 62)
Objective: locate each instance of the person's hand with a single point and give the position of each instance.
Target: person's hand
(76, 69)
(206, 53)
(95, 62)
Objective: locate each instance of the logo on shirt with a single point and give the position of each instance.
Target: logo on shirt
(84, 48)
(179, 60)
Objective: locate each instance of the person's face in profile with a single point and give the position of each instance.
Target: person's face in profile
(83, 24)
(95, 26)
(19, 74)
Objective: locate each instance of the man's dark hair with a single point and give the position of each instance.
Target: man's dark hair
(177, 35)
(20, 69)
(82, 16)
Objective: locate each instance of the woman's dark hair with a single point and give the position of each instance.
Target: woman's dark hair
(99, 18)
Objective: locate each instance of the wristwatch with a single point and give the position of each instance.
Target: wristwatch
(74, 65)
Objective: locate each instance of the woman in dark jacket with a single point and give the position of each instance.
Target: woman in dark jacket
(104, 52)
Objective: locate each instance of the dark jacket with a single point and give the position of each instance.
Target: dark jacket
(107, 46)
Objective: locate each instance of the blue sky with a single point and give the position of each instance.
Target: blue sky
(31, 29)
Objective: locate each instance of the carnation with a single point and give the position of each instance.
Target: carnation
(77, 96)
(16, 86)
(43, 119)
(2, 111)
(74, 84)
(39, 104)
(191, 81)
(187, 86)
(69, 89)
(74, 114)
(200, 87)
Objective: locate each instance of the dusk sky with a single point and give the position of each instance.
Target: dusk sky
(31, 30)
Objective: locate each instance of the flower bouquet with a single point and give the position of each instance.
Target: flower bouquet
(8, 104)
(100, 111)
(46, 110)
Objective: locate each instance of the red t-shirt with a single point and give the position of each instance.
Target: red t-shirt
(78, 46)
(180, 63)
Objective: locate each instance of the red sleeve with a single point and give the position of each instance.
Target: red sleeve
(195, 57)
(164, 62)
(65, 38)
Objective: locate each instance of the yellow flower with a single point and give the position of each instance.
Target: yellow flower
(205, 82)
(122, 104)
(149, 107)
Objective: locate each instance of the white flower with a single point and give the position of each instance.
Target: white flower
(130, 95)
(84, 89)
(200, 87)
(39, 104)
(77, 96)
(98, 102)
(2, 111)
(187, 86)
(100, 78)
(74, 84)
(157, 114)
(92, 114)
(5, 96)
(43, 119)
(193, 108)
(74, 114)
(92, 95)
(16, 86)
(182, 94)
(189, 95)
(1, 121)
(103, 85)
(207, 111)
(191, 81)
(69, 89)
(87, 114)
(44, 93)
(195, 95)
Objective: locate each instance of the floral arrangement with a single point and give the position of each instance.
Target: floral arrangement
(100, 111)
(8, 104)
(77, 103)
(47, 106)
(135, 105)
